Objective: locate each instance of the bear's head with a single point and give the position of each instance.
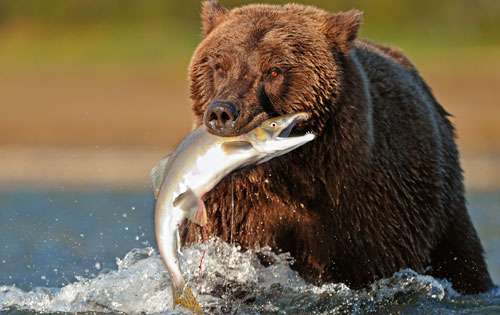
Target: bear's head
(260, 61)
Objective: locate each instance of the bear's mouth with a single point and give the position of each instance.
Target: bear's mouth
(253, 123)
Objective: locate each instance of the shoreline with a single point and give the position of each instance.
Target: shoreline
(128, 167)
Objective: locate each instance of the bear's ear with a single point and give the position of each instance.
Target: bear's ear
(342, 28)
(211, 14)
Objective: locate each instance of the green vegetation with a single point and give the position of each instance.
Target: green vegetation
(76, 34)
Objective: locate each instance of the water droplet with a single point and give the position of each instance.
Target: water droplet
(97, 265)
(133, 208)
(43, 277)
(136, 238)
(124, 215)
(126, 228)
(81, 235)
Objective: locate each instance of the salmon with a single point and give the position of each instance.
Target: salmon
(197, 165)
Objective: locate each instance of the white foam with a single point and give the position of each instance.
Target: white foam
(231, 280)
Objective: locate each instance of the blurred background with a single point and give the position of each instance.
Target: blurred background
(94, 93)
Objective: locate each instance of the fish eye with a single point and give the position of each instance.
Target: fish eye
(274, 124)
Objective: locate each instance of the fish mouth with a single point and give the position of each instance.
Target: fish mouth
(294, 119)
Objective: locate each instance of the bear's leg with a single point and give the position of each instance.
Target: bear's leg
(458, 257)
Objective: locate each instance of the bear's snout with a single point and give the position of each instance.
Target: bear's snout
(221, 117)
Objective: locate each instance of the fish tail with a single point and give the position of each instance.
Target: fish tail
(185, 298)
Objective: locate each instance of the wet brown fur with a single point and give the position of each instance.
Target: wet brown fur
(379, 190)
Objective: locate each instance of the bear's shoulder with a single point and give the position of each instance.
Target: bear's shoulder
(391, 53)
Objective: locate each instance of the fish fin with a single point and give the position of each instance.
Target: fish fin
(199, 214)
(186, 200)
(184, 297)
(194, 206)
(157, 174)
(234, 146)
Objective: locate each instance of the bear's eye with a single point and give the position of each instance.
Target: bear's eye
(274, 73)
(219, 69)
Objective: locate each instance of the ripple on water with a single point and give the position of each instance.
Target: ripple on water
(233, 281)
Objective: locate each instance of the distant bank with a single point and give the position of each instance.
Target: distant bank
(129, 167)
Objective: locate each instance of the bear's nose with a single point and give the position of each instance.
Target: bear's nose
(220, 117)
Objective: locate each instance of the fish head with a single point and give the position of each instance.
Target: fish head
(272, 137)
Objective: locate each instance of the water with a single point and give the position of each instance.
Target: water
(94, 251)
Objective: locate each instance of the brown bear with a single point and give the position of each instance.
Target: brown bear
(380, 188)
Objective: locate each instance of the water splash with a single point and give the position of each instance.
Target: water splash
(233, 281)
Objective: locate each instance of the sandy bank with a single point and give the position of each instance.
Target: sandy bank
(129, 167)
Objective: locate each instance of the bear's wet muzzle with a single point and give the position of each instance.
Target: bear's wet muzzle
(221, 118)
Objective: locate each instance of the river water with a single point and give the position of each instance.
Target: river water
(67, 250)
